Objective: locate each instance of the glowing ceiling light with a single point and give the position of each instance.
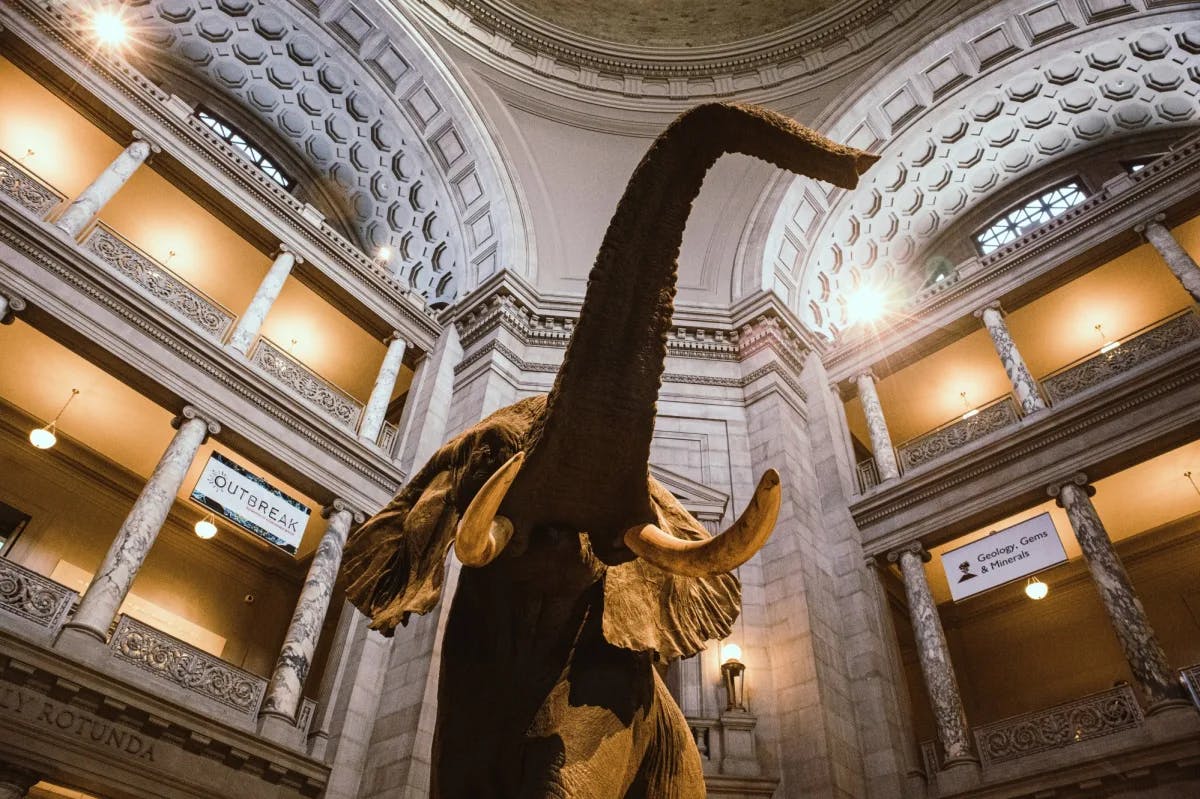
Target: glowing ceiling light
(1108, 346)
(731, 652)
(384, 254)
(45, 437)
(109, 27)
(206, 528)
(967, 404)
(1035, 589)
(867, 304)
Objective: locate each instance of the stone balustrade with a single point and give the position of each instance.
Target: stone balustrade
(343, 409)
(1093, 716)
(994, 416)
(158, 282)
(29, 596)
(192, 669)
(1142, 346)
(22, 186)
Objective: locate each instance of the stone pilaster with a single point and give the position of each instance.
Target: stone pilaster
(291, 669)
(1024, 386)
(881, 439)
(15, 781)
(10, 306)
(249, 323)
(103, 598)
(934, 655)
(381, 393)
(109, 182)
(1177, 259)
(426, 412)
(1142, 650)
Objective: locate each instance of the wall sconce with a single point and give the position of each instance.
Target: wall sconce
(1108, 344)
(45, 437)
(206, 528)
(967, 404)
(1035, 589)
(734, 673)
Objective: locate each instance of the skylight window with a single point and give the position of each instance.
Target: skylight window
(243, 145)
(1031, 213)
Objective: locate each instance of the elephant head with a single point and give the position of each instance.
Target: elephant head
(577, 458)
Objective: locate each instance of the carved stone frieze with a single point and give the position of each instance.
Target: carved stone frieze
(170, 659)
(157, 281)
(306, 384)
(29, 192)
(1103, 366)
(958, 434)
(30, 596)
(1084, 719)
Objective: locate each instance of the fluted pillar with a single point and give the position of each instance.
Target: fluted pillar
(10, 306)
(1024, 386)
(291, 669)
(15, 781)
(102, 189)
(881, 439)
(128, 551)
(249, 323)
(381, 393)
(934, 655)
(1173, 254)
(1144, 654)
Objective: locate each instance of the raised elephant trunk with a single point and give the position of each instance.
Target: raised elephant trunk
(588, 464)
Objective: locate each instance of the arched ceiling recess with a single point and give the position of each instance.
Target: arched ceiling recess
(960, 120)
(368, 105)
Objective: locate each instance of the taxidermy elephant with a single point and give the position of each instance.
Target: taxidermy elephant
(580, 571)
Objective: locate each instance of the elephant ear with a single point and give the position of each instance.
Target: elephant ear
(651, 610)
(395, 564)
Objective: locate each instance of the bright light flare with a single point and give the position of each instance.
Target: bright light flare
(205, 528)
(867, 304)
(384, 254)
(1109, 347)
(730, 652)
(110, 27)
(43, 437)
(1035, 589)
(970, 413)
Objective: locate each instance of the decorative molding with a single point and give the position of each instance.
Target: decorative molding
(306, 384)
(30, 596)
(1102, 367)
(29, 192)
(159, 283)
(178, 662)
(957, 434)
(1086, 719)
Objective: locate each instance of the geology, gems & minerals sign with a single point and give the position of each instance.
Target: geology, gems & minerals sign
(1003, 556)
(252, 503)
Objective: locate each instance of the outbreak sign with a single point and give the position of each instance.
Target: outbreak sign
(1003, 556)
(252, 503)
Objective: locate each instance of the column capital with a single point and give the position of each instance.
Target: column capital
(341, 505)
(1140, 227)
(868, 373)
(284, 247)
(190, 412)
(142, 137)
(395, 335)
(14, 305)
(1078, 479)
(993, 305)
(912, 548)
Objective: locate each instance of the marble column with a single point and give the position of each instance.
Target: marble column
(881, 439)
(934, 655)
(249, 323)
(15, 781)
(1176, 257)
(291, 669)
(1142, 650)
(102, 189)
(1024, 386)
(381, 394)
(103, 598)
(10, 306)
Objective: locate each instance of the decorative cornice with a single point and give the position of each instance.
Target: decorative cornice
(342, 506)
(912, 547)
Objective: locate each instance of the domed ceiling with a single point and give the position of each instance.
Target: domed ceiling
(674, 23)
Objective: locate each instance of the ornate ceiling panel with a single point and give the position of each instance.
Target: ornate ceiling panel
(360, 101)
(956, 125)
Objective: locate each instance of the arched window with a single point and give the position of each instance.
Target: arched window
(1029, 214)
(243, 145)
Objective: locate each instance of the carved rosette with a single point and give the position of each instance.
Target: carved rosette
(159, 283)
(177, 662)
(339, 406)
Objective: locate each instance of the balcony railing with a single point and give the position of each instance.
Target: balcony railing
(339, 406)
(996, 415)
(1147, 343)
(32, 597)
(1085, 719)
(157, 281)
(28, 191)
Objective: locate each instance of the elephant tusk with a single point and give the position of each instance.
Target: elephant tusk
(481, 534)
(717, 555)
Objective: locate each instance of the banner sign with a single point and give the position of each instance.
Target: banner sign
(1003, 556)
(252, 503)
